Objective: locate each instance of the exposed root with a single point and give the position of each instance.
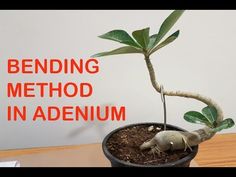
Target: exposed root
(186, 145)
(177, 140)
(155, 150)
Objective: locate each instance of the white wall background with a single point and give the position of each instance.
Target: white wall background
(202, 59)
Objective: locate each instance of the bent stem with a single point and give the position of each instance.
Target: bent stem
(196, 96)
(208, 101)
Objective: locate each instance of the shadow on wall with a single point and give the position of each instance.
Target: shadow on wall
(98, 126)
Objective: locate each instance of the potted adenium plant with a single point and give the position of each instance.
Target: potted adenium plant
(159, 144)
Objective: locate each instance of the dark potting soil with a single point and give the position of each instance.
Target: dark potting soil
(125, 143)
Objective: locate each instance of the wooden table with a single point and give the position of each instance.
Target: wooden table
(219, 151)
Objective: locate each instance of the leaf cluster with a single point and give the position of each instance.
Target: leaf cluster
(208, 117)
(141, 41)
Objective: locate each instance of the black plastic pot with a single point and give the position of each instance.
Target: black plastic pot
(115, 162)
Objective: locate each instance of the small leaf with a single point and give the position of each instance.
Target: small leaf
(142, 37)
(120, 36)
(152, 40)
(227, 123)
(210, 113)
(196, 117)
(121, 50)
(170, 39)
(168, 24)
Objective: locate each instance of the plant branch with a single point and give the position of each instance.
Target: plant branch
(196, 96)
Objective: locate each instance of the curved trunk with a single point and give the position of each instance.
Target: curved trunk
(166, 140)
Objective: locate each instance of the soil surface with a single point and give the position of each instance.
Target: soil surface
(125, 143)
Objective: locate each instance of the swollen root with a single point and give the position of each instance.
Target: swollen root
(177, 140)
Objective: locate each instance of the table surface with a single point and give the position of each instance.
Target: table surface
(220, 151)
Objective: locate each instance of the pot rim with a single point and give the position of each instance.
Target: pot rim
(189, 157)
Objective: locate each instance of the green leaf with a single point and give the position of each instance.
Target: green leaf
(168, 40)
(142, 37)
(152, 40)
(210, 113)
(120, 36)
(196, 117)
(121, 50)
(168, 24)
(227, 123)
